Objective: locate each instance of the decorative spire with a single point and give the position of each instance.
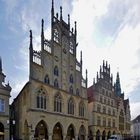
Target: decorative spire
(86, 77)
(42, 31)
(61, 13)
(106, 64)
(81, 61)
(100, 72)
(97, 77)
(52, 10)
(31, 38)
(117, 85)
(31, 46)
(69, 20)
(75, 27)
(93, 81)
(42, 35)
(0, 65)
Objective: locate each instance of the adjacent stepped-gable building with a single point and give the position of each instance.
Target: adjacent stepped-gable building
(5, 90)
(108, 112)
(53, 103)
(102, 105)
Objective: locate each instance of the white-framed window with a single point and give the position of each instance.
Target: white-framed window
(2, 105)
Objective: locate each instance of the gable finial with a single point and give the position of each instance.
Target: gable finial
(61, 13)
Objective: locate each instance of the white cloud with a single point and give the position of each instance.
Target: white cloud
(120, 48)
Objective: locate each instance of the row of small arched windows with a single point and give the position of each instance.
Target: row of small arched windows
(41, 103)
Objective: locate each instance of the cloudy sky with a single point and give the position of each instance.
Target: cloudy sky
(107, 30)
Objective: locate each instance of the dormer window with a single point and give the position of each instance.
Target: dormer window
(71, 48)
(56, 35)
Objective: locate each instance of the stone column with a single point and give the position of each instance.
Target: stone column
(50, 136)
(76, 137)
(64, 137)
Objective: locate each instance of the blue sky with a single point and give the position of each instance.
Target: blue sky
(107, 30)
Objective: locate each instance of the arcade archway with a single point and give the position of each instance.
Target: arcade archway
(103, 135)
(82, 133)
(41, 131)
(70, 133)
(57, 132)
(98, 135)
(1, 131)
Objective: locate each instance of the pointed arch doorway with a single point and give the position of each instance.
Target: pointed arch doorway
(57, 132)
(41, 131)
(70, 133)
(82, 133)
(1, 131)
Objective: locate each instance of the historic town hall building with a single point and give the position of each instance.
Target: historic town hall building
(53, 103)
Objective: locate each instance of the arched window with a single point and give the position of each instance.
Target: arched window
(46, 79)
(71, 78)
(56, 72)
(58, 103)
(41, 99)
(81, 109)
(71, 90)
(56, 35)
(56, 85)
(71, 107)
(77, 92)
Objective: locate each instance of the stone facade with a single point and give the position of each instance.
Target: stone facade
(53, 104)
(135, 128)
(106, 107)
(4, 106)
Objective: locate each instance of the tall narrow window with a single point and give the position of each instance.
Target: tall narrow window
(56, 35)
(58, 103)
(81, 110)
(71, 78)
(41, 99)
(56, 72)
(47, 80)
(56, 85)
(71, 107)
(71, 89)
(2, 105)
(77, 92)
